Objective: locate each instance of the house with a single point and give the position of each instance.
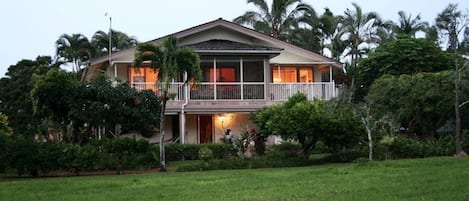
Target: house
(243, 70)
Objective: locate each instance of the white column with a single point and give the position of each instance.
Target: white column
(182, 127)
(330, 73)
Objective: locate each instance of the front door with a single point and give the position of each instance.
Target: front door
(205, 129)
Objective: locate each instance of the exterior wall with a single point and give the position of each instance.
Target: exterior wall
(238, 123)
(215, 33)
(122, 72)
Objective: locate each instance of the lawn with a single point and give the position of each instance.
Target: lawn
(419, 179)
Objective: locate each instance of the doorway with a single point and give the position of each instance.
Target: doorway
(205, 129)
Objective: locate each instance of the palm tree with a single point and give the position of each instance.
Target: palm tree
(309, 36)
(276, 21)
(357, 30)
(452, 22)
(73, 48)
(408, 25)
(119, 41)
(170, 61)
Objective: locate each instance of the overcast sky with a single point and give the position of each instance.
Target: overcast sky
(30, 28)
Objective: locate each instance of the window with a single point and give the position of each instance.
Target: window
(292, 74)
(253, 70)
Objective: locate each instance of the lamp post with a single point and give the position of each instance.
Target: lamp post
(110, 43)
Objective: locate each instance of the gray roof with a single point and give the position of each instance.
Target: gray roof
(224, 45)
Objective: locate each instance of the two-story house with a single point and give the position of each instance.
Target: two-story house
(243, 70)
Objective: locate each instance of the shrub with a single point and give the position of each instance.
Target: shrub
(175, 152)
(284, 150)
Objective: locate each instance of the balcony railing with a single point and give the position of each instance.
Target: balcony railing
(246, 91)
(318, 90)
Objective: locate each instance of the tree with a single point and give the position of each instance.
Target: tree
(52, 99)
(452, 22)
(276, 21)
(357, 29)
(405, 55)
(75, 49)
(170, 61)
(119, 41)
(421, 103)
(15, 99)
(62, 100)
(408, 25)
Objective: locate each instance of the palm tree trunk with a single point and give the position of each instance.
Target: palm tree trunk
(162, 148)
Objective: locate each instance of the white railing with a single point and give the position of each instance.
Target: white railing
(175, 88)
(246, 90)
(227, 91)
(318, 90)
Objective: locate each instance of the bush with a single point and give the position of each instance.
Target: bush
(344, 157)
(176, 152)
(403, 147)
(284, 150)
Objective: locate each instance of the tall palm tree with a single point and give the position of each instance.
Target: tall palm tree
(74, 49)
(408, 25)
(119, 41)
(276, 20)
(357, 30)
(170, 61)
(307, 33)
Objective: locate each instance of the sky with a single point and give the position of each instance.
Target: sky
(30, 28)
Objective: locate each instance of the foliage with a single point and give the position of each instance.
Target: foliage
(398, 147)
(15, 99)
(119, 41)
(29, 157)
(175, 152)
(275, 21)
(408, 25)
(52, 98)
(57, 96)
(284, 150)
(421, 103)
(404, 55)
(74, 49)
(345, 131)
(5, 129)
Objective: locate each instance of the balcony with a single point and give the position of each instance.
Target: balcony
(229, 91)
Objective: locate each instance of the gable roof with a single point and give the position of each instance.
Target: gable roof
(231, 26)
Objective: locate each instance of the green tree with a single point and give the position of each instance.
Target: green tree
(357, 30)
(52, 96)
(74, 49)
(171, 62)
(308, 122)
(119, 41)
(405, 55)
(15, 99)
(421, 103)
(275, 21)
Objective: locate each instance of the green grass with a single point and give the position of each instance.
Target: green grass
(419, 179)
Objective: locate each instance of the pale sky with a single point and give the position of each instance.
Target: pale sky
(30, 28)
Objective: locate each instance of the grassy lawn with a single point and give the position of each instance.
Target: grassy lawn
(421, 179)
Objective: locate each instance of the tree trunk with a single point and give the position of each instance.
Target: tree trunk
(370, 139)
(457, 129)
(162, 148)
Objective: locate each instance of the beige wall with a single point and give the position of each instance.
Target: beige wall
(238, 123)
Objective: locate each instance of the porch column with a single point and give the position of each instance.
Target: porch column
(330, 73)
(115, 71)
(182, 127)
